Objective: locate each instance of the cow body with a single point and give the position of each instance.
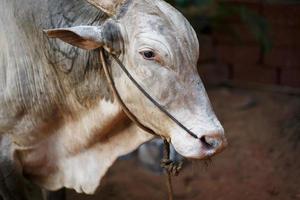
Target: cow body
(55, 103)
(63, 124)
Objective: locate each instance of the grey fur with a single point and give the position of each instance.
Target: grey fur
(37, 73)
(29, 58)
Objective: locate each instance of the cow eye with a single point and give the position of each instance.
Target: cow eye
(148, 55)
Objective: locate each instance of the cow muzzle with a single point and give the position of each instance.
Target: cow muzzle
(213, 143)
(207, 144)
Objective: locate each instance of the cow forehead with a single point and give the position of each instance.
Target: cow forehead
(160, 20)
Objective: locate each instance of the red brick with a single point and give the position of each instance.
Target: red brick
(246, 55)
(286, 58)
(235, 33)
(245, 34)
(282, 14)
(225, 53)
(222, 37)
(238, 54)
(285, 36)
(242, 1)
(290, 78)
(207, 51)
(253, 5)
(254, 74)
(213, 73)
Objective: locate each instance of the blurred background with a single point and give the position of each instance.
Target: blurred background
(250, 63)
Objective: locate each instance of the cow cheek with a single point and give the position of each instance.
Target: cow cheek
(144, 73)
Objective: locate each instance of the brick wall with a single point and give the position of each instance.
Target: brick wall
(243, 61)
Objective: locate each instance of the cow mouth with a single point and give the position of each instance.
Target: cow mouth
(202, 148)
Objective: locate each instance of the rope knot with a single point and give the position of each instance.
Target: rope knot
(171, 167)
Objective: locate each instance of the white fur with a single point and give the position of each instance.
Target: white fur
(76, 156)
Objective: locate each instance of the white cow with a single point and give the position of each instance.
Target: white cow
(60, 124)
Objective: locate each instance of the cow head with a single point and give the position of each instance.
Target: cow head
(160, 49)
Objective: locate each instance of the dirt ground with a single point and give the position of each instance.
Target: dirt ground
(262, 160)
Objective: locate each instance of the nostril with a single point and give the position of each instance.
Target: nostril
(205, 142)
(210, 142)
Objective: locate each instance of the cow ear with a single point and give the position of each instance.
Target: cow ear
(85, 37)
(107, 36)
(110, 7)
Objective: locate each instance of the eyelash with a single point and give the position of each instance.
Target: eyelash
(148, 55)
(155, 57)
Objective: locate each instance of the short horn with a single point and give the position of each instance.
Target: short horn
(110, 7)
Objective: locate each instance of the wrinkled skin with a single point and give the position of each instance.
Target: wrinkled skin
(55, 105)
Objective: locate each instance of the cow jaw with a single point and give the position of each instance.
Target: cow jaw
(192, 110)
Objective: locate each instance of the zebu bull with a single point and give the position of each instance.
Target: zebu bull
(60, 124)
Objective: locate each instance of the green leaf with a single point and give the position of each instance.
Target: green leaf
(258, 26)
